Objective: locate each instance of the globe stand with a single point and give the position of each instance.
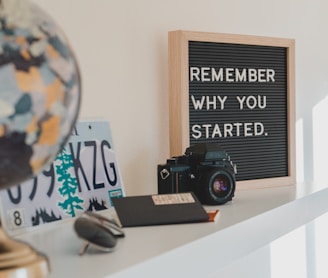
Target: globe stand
(18, 259)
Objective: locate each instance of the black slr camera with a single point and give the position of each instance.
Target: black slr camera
(204, 169)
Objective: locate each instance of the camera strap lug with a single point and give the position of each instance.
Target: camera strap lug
(164, 174)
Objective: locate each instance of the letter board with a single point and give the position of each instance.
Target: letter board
(238, 91)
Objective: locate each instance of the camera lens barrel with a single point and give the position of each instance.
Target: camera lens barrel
(217, 186)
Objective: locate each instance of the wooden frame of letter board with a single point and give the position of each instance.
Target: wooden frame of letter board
(179, 95)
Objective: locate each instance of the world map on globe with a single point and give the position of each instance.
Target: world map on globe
(40, 92)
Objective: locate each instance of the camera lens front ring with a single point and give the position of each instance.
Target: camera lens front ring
(220, 187)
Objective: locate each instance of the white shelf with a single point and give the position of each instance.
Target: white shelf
(253, 219)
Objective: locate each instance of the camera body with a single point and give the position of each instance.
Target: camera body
(205, 169)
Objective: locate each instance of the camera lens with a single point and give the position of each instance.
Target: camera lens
(218, 186)
(221, 185)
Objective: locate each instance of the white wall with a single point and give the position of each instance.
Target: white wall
(121, 46)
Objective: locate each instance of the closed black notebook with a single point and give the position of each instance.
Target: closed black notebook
(159, 209)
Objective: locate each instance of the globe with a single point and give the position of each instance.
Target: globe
(40, 91)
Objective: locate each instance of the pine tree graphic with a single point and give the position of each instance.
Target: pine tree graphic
(69, 184)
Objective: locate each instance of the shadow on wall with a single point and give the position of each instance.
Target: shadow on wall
(312, 134)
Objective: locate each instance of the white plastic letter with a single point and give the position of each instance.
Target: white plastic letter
(198, 104)
(194, 73)
(241, 101)
(196, 133)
